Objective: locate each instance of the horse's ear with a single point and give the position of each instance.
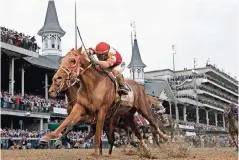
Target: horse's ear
(72, 49)
(79, 50)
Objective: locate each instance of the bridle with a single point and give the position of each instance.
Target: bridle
(72, 72)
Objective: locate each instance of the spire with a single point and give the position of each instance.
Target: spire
(51, 21)
(136, 60)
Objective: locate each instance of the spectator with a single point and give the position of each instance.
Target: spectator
(24, 143)
(10, 143)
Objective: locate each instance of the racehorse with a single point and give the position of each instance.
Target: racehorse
(97, 97)
(231, 115)
(71, 96)
(164, 123)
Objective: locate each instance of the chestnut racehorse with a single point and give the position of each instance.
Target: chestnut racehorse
(96, 96)
(71, 96)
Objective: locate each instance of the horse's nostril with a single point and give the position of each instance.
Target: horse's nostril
(59, 78)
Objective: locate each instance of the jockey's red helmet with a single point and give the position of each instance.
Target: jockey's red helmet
(102, 48)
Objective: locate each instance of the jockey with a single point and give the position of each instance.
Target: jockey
(110, 58)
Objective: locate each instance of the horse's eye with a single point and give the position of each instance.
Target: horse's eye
(73, 61)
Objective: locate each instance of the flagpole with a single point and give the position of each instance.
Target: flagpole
(75, 28)
(132, 44)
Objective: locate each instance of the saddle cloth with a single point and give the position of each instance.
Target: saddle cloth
(127, 100)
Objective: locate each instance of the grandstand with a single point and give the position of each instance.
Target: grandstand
(26, 76)
(208, 88)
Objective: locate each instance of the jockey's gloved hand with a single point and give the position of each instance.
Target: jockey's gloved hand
(93, 59)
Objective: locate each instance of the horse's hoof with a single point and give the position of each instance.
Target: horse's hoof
(94, 155)
(77, 145)
(165, 138)
(44, 140)
(57, 143)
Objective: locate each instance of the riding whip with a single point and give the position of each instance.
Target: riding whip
(82, 41)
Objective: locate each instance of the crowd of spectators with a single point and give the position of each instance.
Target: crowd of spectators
(220, 94)
(208, 89)
(213, 66)
(29, 103)
(210, 127)
(180, 79)
(16, 133)
(209, 140)
(222, 84)
(25, 138)
(19, 39)
(203, 126)
(203, 101)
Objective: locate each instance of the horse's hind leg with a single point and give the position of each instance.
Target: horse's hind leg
(88, 136)
(112, 125)
(235, 140)
(148, 116)
(64, 136)
(130, 120)
(172, 133)
(154, 133)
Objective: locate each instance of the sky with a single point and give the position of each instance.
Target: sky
(201, 29)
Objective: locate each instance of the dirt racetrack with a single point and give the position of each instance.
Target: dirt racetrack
(164, 153)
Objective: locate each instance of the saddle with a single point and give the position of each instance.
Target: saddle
(125, 100)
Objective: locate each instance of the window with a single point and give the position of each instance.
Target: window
(58, 42)
(53, 42)
(46, 43)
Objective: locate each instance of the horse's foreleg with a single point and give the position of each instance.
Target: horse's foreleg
(73, 118)
(99, 128)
